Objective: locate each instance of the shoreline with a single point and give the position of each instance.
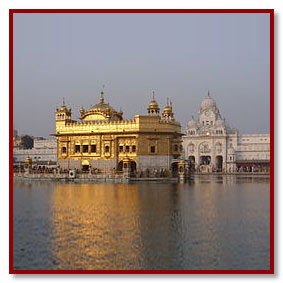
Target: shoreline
(107, 178)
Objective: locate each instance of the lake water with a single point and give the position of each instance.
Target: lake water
(212, 222)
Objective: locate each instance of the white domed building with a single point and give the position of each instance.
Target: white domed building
(211, 145)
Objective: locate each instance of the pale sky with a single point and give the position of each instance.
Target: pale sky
(180, 56)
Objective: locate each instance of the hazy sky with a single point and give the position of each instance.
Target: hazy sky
(179, 56)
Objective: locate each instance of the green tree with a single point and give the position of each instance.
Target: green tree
(27, 142)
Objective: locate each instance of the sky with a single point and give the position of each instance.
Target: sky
(179, 56)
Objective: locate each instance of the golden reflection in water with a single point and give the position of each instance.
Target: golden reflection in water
(94, 225)
(209, 223)
(105, 226)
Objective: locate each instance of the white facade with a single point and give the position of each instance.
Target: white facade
(42, 151)
(211, 145)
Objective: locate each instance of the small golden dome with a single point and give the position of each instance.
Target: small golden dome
(153, 106)
(167, 111)
(28, 160)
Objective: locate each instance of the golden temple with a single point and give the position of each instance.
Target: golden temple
(102, 139)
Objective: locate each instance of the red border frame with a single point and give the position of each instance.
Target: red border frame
(268, 11)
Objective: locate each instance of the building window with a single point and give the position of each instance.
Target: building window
(107, 148)
(64, 149)
(120, 148)
(211, 122)
(93, 148)
(77, 148)
(85, 148)
(133, 148)
(127, 148)
(175, 147)
(152, 149)
(181, 147)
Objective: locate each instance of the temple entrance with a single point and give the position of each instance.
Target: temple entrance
(219, 163)
(85, 165)
(122, 165)
(205, 160)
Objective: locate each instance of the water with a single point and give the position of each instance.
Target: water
(213, 222)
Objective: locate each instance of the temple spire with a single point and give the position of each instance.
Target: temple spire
(101, 97)
(101, 94)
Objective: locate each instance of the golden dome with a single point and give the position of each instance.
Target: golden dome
(153, 106)
(63, 110)
(28, 160)
(167, 111)
(101, 111)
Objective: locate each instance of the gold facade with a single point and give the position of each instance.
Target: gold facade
(102, 139)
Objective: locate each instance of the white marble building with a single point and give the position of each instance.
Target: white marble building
(211, 145)
(43, 151)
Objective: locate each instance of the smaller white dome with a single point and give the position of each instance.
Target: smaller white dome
(219, 123)
(207, 103)
(192, 123)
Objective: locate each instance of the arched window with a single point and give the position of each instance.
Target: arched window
(204, 147)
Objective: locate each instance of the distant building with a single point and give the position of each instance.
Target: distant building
(17, 140)
(210, 144)
(102, 139)
(43, 152)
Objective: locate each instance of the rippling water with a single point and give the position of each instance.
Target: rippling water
(213, 222)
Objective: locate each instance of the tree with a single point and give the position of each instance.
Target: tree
(27, 142)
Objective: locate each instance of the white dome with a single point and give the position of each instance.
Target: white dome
(192, 123)
(207, 103)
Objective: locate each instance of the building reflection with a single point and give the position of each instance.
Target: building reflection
(96, 226)
(151, 226)
(118, 226)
